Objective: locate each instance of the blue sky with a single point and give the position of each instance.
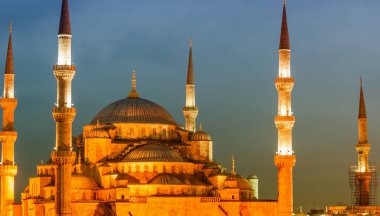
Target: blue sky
(235, 45)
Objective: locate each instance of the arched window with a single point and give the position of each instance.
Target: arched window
(164, 169)
(154, 133)
(132, 132)
(155, 168)
(137, 168)
(146, 168)
(164, 134)
(143, 132)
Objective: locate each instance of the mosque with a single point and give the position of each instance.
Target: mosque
(134, 159)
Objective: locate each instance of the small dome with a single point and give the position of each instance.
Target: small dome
(83, 182)
(134, 110)
(165, 179)
(153, 152)
(98, 132)
(201, 135)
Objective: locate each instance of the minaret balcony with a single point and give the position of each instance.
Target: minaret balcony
(64, 72)
(284, 83)
(190, 109)
(8, 136)
(282, 161)
(8, 103)
(284, 121)
(64, 67)
(63, 157)
(63, 114)
(8, 169)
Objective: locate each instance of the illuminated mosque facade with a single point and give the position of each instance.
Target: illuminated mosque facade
(134, 159)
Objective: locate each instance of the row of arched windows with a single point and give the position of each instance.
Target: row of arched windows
(147, 132)
(155, 168)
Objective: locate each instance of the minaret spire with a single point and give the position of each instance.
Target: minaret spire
(133, 93)
(9, 68)
(190, 67)
(64, 23)
(362, 109)
(64, 115)
(284, 38)
(363, 173)
(190, 111)
(8, 135)
(284, 121)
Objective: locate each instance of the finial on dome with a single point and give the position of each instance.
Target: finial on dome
(190, 42)
(283, 2)
(79, 165)
(200, 127)
(133, 93)
(233, 166)
(10, 27)
(97, 123)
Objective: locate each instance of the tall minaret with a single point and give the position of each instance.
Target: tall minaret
(363, 175)
(285, 158)
(8, 136)
(63, 114)
(190, 111)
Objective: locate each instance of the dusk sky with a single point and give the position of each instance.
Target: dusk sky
(235, 51)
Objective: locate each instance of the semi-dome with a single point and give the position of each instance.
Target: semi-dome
(165, 179)
(153, 152)
(134, 110)
(242, 183)
(79, 181)
(130, 179)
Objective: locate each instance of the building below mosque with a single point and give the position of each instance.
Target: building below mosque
(134, 159)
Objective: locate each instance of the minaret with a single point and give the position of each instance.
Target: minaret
(63, 114)
(8, 136)
(190, 111)
(285, 158)
(363, 174)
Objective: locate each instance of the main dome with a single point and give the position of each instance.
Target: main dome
(134, 110)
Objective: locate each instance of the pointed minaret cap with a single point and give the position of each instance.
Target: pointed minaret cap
(190, 67)
(9, 66)
(64, 23)
(362, 109)
(284, 38)
(134, 93)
